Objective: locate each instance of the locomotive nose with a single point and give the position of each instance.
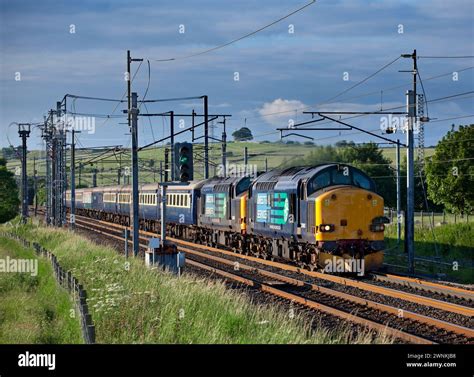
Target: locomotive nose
(357, 235)
(351, 211)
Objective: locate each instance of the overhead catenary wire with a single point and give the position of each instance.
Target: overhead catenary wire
(362, 81)
(367, 94)
(365, 115)
(237, 39)
(447, 57)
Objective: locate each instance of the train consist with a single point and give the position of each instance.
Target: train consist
(316, 217)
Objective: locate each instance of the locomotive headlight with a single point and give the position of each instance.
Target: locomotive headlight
(378, 224)
(326, 227)
(377, 227)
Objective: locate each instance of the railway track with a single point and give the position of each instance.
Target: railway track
(409, 326)
(435, 290)
(450, 291)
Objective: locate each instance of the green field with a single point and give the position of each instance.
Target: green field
(34, 309)
(132, 304)
(276, 154)
(447, 244)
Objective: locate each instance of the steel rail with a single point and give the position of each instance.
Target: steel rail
(469, 333)
(438, 304)
(383, 329)
(316, 306)
(425, 285)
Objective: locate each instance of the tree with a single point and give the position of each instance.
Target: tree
(370, 159)
(320, 154)
(344, 143)
(243, 134)
(450, 172)
(9, 153)
(9, 200)
(422, 201)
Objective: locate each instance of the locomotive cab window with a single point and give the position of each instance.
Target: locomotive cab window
(242, 186)
(341, 177)
(333, 176)
(362, 181)
(321, 180)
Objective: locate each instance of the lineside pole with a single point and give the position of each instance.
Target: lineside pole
(399, 201)
(173, 173)
(206, 138)
(134, 207)
(24, 132)
(73, 180)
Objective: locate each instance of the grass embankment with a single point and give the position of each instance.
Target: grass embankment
(34, 309)
(132, 304)
(454, 242)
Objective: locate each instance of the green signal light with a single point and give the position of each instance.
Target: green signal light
(183, 160)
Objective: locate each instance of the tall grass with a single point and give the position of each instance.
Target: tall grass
(34, 309)
(449, 242)
(453, 240)
(130, 303)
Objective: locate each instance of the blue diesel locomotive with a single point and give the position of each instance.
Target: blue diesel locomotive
(306, 215)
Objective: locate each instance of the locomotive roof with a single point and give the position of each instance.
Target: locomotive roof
(288, 178)
(222, 181)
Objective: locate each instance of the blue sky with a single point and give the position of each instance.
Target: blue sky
(278, 71)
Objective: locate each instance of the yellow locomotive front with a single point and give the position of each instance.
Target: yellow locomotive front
(350, 229)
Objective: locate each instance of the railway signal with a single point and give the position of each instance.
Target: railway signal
(24, 130)
(183, 161)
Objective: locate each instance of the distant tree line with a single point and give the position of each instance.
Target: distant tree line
(9, 198)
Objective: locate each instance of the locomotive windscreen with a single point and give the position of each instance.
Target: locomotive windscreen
(342, 175)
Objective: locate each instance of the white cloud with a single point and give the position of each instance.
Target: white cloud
(279, 111)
